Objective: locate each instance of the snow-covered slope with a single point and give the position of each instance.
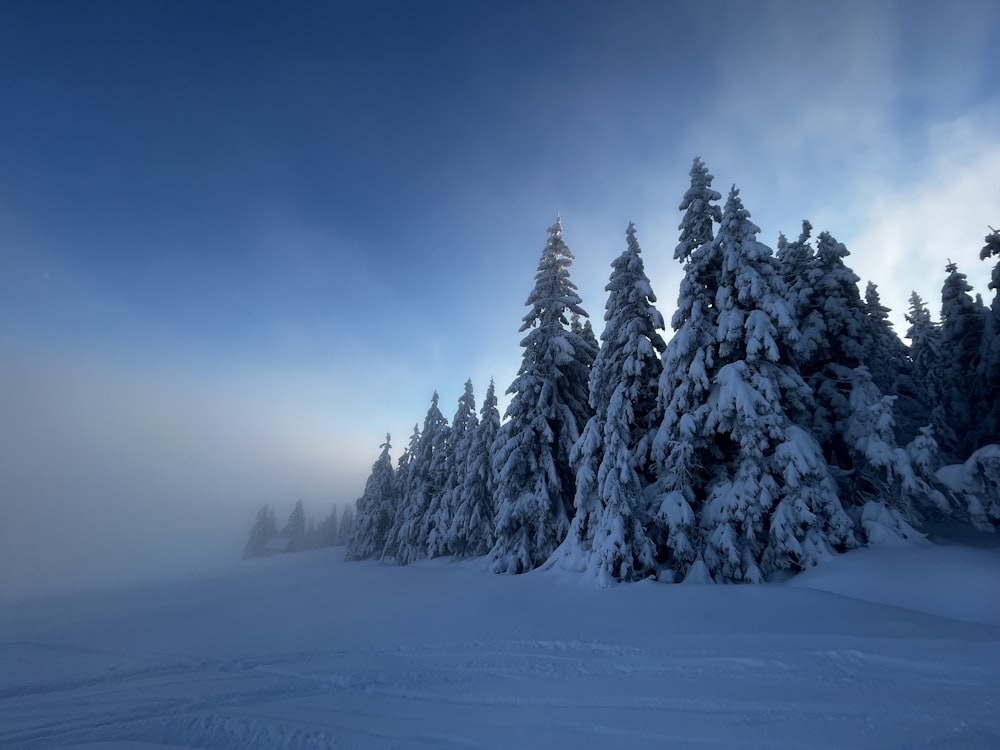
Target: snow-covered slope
(306, 651)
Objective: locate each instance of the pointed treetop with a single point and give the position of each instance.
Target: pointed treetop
(700, 212)
(736, 218)
(992, 246)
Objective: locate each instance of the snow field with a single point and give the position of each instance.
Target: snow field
(306, 651)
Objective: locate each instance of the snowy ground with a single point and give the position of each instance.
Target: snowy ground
(887, 648)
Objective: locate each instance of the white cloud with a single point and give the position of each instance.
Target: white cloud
(901, 233)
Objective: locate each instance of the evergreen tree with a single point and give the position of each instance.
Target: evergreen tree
(801, 273)
(988, 377)
(390, 549)
(472, 528)
(264, 528)
(891, 369)
(835, 350)
(701, 212)
(577, 373)
(991, 248)
(962, 327)
(329, 530)
(375, 510)
(887, 360)
(926, 366)
(887, 482)
(535, 483)
(424, 483)
(346, 526)
(769, 502)
(608, 534)
(295, 529)
(443, 507)
(688, 362)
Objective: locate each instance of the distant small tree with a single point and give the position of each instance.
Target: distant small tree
(295, 529)
(264, 528)
(329, 530)
(346, 526)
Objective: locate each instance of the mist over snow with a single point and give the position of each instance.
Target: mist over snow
(108, 478)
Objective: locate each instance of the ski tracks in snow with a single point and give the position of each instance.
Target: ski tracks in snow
(505, 693)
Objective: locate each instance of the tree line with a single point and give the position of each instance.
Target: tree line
(782, 423)
(299, 532)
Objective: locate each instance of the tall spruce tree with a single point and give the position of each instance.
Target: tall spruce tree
(608, 535)
(963, 321)
(393, 539)
(441, 514)
(926, 364)
(770, 502)
(688, 361)
(535, 482)
(423, 483)
(375, 509)
(988, 377)
(701, 212)
(472, 527)
(890, 367)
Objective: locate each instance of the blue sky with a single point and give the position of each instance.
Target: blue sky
(241, 241)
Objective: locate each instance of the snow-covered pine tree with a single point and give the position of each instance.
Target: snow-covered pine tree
(834, 350)
(891, 370)
(988, 377)
(440, 514)
(701, 212)
(329, 530)
(390, 549)
(800, 272)
(608, 534)
(578, 372)
(264, 528)
(771, 503)
(423, 485)
(888, 484)
(963, 321)
(472, 527)
(887, 361)
(991, 247)
(346, 526)
(926, 364)
(535, 483)
(295, 529)
(375, 509)
(680, 443)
